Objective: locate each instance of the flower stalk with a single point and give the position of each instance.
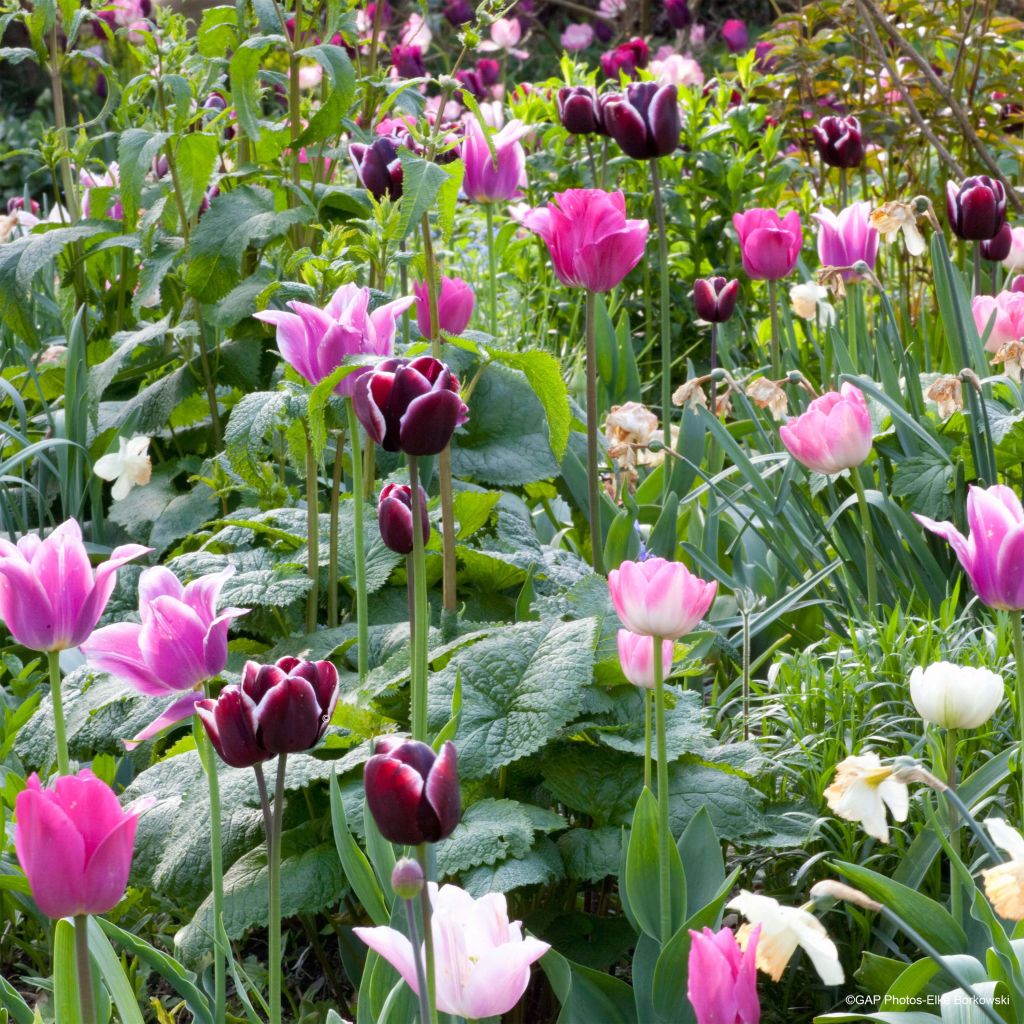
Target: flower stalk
(209, 760)
(332, 558)
(83, 961)
(313, 536)
(359, 541)
(593, 481)
(664, 317)
(57, 697)
(426, 911)
(664, 834)
(870, 566)
(421, 613)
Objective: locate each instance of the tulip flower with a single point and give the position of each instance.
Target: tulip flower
(315, 342)
(109, 179)
(50, 598)
(394, 517)
(1013, 261)
(770, 244)
(644, 121)
(579, 110)
(1002, 316)
(862, 790)
(591, 242)
(490, 179)
(378, 167)
(454, 306)
(408, 61)
(1004, 884)
(625, 58)
(722, 978)
(482, 959)
(956, 696)
(991, 555)
(995, 250)
(181, 642)
(577, 37)
(839, 142)
(128, 467)
(74, 842)
(506, 34)
(714, 298)
(847, 238)
(977, 208)
(735, 35)
(413, 793)
(636, 656)
(660, 598)
(459, 12)
(410, 405)
(678, 13)
(833, 434)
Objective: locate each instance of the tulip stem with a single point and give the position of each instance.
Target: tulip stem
(870, 568)
(332, 558)
(274, 893)
(426, 911)
(421, 620)
(664, 835)
(492, 272)
(313, 536)
(359, 542)
(593, 481)
(422, 995)
(773, 312)
(665, 320)
(647, 738)
(217, 875)
(955, 892)
(86, 999)
(57, 697)
(1018, 659)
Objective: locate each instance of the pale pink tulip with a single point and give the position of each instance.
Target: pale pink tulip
(454, 305)
(833, 434)
(1007, 309)
(636, 656)
(656, 597)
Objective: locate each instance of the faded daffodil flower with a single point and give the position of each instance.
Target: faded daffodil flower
(810, 302)
(1004, 884)
(890, 219)
(862, 790)
(766, 394)
(947, 393)
(128, 467)
(1011, 355)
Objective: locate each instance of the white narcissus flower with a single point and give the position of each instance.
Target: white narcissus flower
(956, 696)
(810, 302)
(127, 467)
(782, 930)
(862, 789)
(1004, 884)
(890, 219)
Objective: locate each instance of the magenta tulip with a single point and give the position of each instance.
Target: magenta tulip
(394, 517)
(482, 959)
(636, 656)
(591, 242)
(625, 58)
(656, 597)
(847, 238)
(833, 434)
(722, 978)
(454, 306)
(315, 342)
(490, 179)
(735, 35)
(74, 842)
(770, 244)
(993, 553)
(181, 643)
(50, 598)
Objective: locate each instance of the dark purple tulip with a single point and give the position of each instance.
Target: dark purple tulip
(678, 13)
(764, 63)
(408, 61)
(413, 793)
(603, 30)
(230, 722)
(411, 406)
(625, 57)
(977, 209)
(715, 298)
(459, 12)
(489, 71)
(997, 249)
(377, 166)
(839, 141)
(579, 111)
(471, 81)
(394, 517)
(645, 120)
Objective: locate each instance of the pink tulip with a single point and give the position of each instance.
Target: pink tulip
(591, 242)
(833, 434)
(993, 554)
(490, 179)
(1014, 260)
(181, 643)
(636, 656)
(50, 599)
(1008, 310)
(482, 959)
(577, 37)
(722, 979)
(656, 597)
(74, 842)
(315, 342)
(770, 244)
(735, 35)
(109, 179)
(454, 306)
(847, 238)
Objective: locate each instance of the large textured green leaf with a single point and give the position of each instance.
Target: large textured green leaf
(588, 996)
(541, 865)
(544, 373)
(591, 854)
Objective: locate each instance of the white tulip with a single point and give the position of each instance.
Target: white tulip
(955, 696)
(782, 930)
(128, 466)
(861, 791)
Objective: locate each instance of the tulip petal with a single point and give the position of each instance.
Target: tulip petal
(182, 708)
(106, 873)
(91, 807)
(395, 948)
(429, 422)
(442, 791)
(500, 977)
(25, 606)
(288, 717)
(394, 792)
(115, 649)
(172, 642)
(51, 852)
(96, 601)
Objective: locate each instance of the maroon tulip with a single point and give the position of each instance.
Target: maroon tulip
(626, 57)
(579, 111)
(413, 793)
(410, 405)
(977, 209)
(678, 14)
(645, 120)
(715, 298)
(839, 141)
(394, 517)
(997, 249)
(378, 167)
(459, 12)
(279, 709)
(489, 71)
(408, 61)
(472, 83)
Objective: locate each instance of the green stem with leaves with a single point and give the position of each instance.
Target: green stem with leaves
(870, 565)
(648, 696)
(421, 617)
(312, 536)
(426, 912)
(57, 697)
(593, 480)
(664, 833)
(423, 995)
(359, 541)
(83, 961)
(492, 273)
(332, 541)
(209, 760)
(664, 317)
(274, 893)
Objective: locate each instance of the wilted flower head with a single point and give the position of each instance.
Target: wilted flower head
(766, 394)
(947, 393)
(862, 790)
(810, 302)
(1004, 884)
(891, 218)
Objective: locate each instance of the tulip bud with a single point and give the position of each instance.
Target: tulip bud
(977, 209)
(625, 58)
(735, 35)
(17, 203)
(839, 141)
(579, 111)
(215, 102)
(715, 298)
(378, 167)
(459, 12)
(956, 696)
(645, 120)
(997, 249)
(678, 13)
(407, 879)
(413, 793)
(408, 61)
(394, 516)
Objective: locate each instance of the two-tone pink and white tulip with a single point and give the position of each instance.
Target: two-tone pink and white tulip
(455, 301)
(656, 597)
(833, 434)
(847, 237)
(636, 656)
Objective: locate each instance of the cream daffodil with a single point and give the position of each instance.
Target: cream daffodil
(1004, 884)
(862, 790)
(127, 467)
